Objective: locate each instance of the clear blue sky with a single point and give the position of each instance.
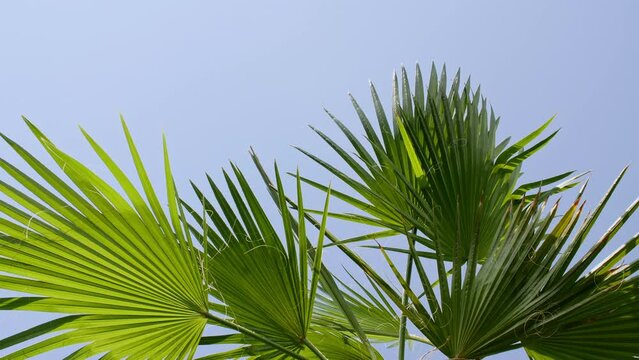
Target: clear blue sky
(217, 77)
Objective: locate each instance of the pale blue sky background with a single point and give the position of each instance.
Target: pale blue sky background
(217, 77)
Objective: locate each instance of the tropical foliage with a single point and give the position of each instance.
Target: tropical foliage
(491, 264)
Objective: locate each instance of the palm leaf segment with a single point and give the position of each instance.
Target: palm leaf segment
(373, 311)
(125, 271)
(262, 282)
(436, 159)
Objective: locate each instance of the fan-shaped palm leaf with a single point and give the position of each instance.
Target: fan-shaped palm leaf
(126, 271)
(533, 291)
(132, 283)
(261, 282)
(437, 153)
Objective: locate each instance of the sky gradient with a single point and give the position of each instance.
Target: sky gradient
(218, 77)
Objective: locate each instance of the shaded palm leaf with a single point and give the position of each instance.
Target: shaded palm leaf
(603, 322)
(436, 153)
(262, 281)
(123, 267)
(333, 344)
(373, 318)
(374, 313)
(533, 291)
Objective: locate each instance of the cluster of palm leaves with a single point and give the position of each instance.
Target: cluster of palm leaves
(489, 264)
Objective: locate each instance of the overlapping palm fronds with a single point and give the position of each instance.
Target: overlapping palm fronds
(374, 313)
(508, 276)
(123, 270)
(533, 290)
(136, 279)
(437, 153)
(262, 282)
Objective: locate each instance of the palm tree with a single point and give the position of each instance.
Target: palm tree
(490, 265)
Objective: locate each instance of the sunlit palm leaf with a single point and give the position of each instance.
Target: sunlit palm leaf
(122, 265)
(130, 281)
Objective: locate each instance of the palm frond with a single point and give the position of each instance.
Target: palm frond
(533, 291)
(267, 283)
(439, 156)
(132, 277)
(367, 321)
(122, 267)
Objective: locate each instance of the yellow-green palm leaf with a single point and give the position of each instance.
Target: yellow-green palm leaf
(122, 267)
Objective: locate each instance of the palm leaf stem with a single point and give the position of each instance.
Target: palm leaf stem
(251, 333)
(418, 338)
(402, 319)
(314, 349)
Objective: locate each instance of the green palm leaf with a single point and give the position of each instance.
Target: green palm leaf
(263, 282)
(533, 291)
(375, 314)
(134, 278)
(374, 319)
(438, 157)
(125, 269)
